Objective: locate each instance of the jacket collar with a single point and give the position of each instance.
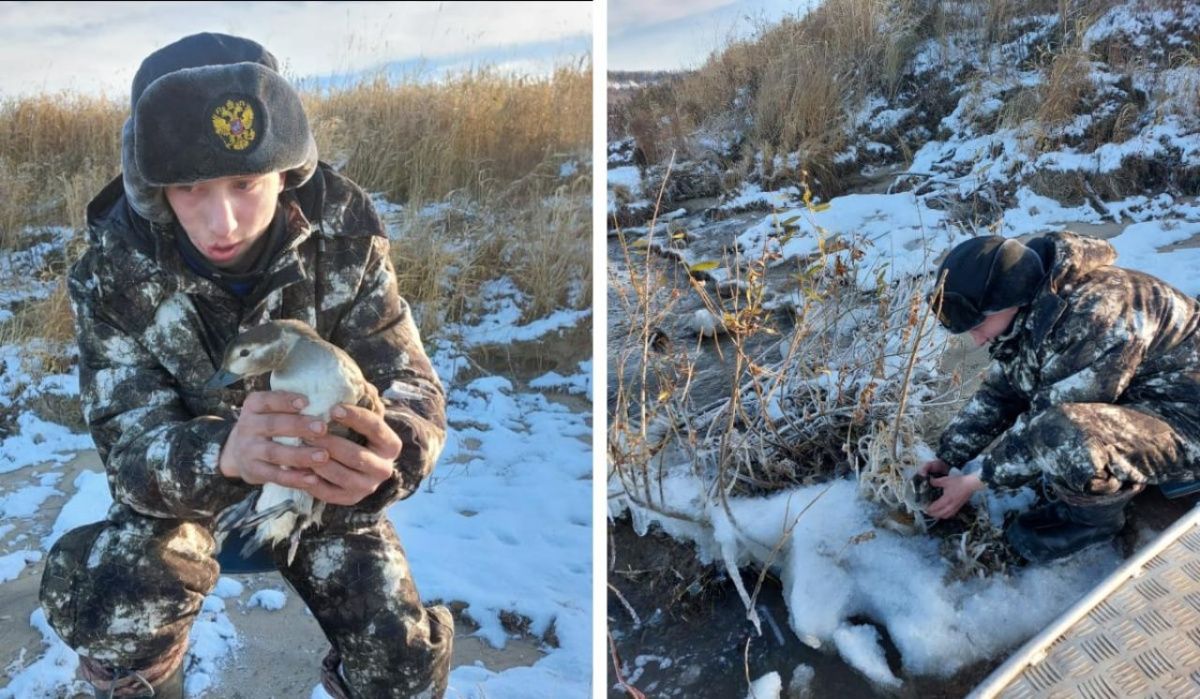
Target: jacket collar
(285, 269)
(151, 269)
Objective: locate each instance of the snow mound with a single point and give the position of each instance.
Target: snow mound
(270, 600)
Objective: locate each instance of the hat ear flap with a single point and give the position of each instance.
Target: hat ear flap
(957, 313)
(148, 200)
(302, 173)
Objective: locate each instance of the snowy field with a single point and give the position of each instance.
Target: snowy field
(503, 525)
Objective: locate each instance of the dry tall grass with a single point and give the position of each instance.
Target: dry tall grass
(792, 87)
(790, 84)
(1067, 83)
(542, 242)
(52, 147)
(420, 141)
(494, 141)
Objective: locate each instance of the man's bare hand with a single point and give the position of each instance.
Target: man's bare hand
(956, 491)
(250, 453)
(353, 472)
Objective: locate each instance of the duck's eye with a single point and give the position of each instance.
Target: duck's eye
(244, 353)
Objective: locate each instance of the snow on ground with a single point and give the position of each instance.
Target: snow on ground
(50, 675)
(752, 194)
(38, 441)
(899, 230)
(91, 500)
(22, 272)
(12, 564)
(1137, 248)
(628, 179)
(769, 686)
(228, 587)
(580, 384)
(1138, 23)
(35, 440)
(1154, 141)
(270, 600)
(860, 645)
(501, 302)
(26, 501)
(213, 643)
(831, 575)
(504, 525)
(514, 453)
(213, 639)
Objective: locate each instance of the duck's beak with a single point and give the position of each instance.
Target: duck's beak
(221, 379)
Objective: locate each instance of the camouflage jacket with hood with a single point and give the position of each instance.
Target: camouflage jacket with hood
(1094, 333)
(151, 332)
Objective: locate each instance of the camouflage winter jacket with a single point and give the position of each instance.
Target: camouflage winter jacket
(1094, 333)
(151, 332)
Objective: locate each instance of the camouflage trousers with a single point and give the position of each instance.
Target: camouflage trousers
(124, 593)
(1089, 449)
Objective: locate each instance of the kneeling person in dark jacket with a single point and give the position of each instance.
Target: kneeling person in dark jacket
(1095, 385)
(222, 220)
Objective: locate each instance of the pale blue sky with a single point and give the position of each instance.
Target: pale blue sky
(678, 34)
(97, 46)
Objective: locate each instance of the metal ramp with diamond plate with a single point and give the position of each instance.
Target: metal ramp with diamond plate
(1136, 634)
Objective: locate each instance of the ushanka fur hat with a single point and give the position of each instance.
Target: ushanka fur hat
(209, 106)
(984, 275)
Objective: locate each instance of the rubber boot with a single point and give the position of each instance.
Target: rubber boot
(1060, 529)
(170, 688)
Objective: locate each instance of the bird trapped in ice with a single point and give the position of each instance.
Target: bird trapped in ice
(300, 361)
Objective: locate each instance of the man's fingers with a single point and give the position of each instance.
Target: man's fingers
(292, 478)
(299, 426)
(329, 493)
(345, 452)
(346, 479)
(354, 456)
(258, 472)
(273, 402)
(948, 505)
(370, 425)
(942, 509)
(296, 457)
(333, 493)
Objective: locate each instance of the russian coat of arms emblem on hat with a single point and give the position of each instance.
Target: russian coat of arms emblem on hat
(233, 122)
